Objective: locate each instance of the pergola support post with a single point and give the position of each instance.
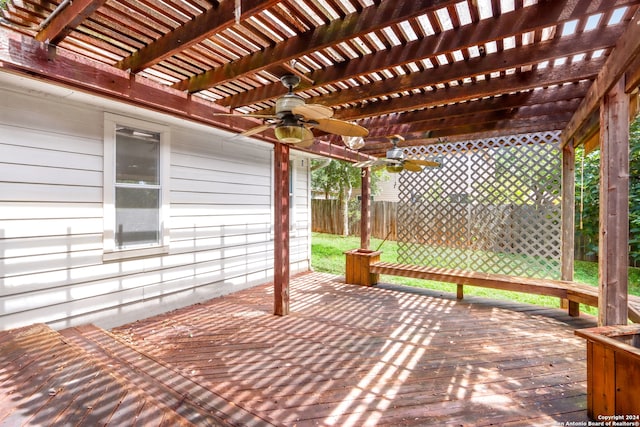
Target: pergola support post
(568, 222)
(365, 209)
(614, 207)
(281, 230)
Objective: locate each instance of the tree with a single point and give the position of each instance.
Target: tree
(337, 178)
(588, 194)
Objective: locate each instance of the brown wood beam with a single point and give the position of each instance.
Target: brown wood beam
(589, 128)
(67, 20)
(560, 111)
(281, 267)
(632, 77)
(214, 20)
(471, 131)
(504, 60)
(513, 83)
(353, 25)
(521, 20)
(516, 100)
(623, 55)
(20, 54)
(614, 208)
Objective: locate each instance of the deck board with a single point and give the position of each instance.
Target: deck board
(46, 381)
(384, 355)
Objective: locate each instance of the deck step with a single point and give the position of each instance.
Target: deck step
(47, 380)
(189, 399)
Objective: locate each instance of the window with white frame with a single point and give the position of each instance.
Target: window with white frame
(136, 164)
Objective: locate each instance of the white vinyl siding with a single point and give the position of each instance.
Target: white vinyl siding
(300, 240)
(52, 217)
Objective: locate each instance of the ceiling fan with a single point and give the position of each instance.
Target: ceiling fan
(294, 119)
(396, 161)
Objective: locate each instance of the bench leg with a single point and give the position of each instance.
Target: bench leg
(460, 292)
(574, 309)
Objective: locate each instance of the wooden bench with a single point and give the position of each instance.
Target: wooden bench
(574, 293)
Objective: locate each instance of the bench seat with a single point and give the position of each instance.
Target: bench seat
(575, 293)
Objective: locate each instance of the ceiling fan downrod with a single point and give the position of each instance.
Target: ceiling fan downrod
(290, 81)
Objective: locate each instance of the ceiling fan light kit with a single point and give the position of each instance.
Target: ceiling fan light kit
(293, 120)
(395, 168)
(292, 133)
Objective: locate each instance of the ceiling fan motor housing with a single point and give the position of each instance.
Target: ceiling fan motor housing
(395, 153)
(288, 102)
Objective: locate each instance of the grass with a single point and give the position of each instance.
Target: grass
(327, 252)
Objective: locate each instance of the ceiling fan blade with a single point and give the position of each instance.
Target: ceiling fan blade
(364, 164)
(255, 130)
(423, 162)
(412, 167)
(313, 111)
(340, 127)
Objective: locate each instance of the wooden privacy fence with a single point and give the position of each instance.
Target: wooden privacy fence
(327, 217)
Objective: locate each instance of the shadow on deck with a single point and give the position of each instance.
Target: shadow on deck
(346, 355)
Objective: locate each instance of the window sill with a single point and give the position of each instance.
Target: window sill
(134, 253)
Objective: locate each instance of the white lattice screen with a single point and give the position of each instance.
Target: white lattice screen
(493, 206)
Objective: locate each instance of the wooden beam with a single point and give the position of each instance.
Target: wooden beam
(471, 131)
(623, 55)
(523, 99)
(22, 55)
(365, 204)
(521, 20)
(613, 247)
(588, 129)
(67, 20)
(214, 20)
(281, 267)
(592, 143)
(632, 77)
(500, 61)
(321, 37)
(513, 83)
(560, 111)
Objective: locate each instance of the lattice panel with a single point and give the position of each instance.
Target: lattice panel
(493, 206)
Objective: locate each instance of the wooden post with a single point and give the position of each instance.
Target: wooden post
(568, 222)
(365, 217)
(281, 230)
(614, 207)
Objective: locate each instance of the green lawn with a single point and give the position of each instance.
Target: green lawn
(327, 252)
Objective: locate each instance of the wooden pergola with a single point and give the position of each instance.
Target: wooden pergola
(424, 69)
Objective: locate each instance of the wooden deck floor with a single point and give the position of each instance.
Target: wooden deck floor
(357, 356)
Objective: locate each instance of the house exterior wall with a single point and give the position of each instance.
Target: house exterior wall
(300, 229)
(52, 264)
(388, 189)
